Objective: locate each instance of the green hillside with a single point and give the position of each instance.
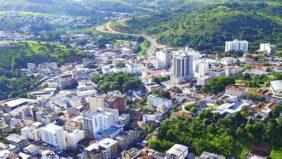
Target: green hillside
(21, 53)
(207, 28)
(12, 82)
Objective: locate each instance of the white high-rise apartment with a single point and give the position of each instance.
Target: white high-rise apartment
(99, 120)
(237, 45)
(182, 66)
(54, 135)
(164, 57)
(196, 55)
(73, 138)
(267, 48)
(203, 69)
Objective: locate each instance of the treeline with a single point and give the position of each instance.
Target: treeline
(232, 135)
(217, 84)
(117, 81)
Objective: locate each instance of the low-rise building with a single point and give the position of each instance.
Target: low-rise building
(276, 88)
(177, 151)
(126, 138)
(208, 155)
(235, 90)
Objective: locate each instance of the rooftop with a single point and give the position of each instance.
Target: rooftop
(177, 150)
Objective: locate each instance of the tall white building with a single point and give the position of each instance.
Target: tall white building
(98, 120)
(182, 66)
(267, 48)
(203, 69)
(164, 57)
(237, 45)
(73, 138)
(196, 55)
(54, 135)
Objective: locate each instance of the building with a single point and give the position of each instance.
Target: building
(103, 149)
(126, 138)
(133, 153)
(17, 140)
(116, 100)
(276, 88)
(31, 132)
(208, 155)
(67, 81)
(94, 151)
(203, 69)
(53, 135)
(235, 90)
(70, 126)
(164, 58)
(267, 48)
(177, 151)
(97, 101)
(73, 138)
(31, 67)
(237, 45)
(154, 101)
(182, 66)
(47, 154)
(98, 120)
(195, 54)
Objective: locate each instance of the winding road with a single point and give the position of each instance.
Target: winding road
(107, 28)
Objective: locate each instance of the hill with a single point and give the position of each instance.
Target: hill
(207, 28)
(12, 82)
(21, 53)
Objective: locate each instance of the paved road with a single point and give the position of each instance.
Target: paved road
(152, 41)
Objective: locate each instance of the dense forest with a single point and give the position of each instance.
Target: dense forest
(207, 28)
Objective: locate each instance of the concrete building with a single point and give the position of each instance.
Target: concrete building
(154, 101)
(164, 58)
(31, 132)
(276, 88)
(17, 140)
(203, 69)
(267, 48)
(47, 154)
(126, 138)
(31, 67)
(116, 100)
(208, 155)
(54, 135)
(177, 151)
(237, 45)
(133, 153)
(97, 101)
(73, 138)
(235, 90)
(103, 149)
(182, 66)
(99, 120)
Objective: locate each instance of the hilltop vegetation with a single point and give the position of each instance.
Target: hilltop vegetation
(232, 135)
(22, 53)
(12, 82)
(207, 28)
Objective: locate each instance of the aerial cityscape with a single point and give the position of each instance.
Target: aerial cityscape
(140, 79)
